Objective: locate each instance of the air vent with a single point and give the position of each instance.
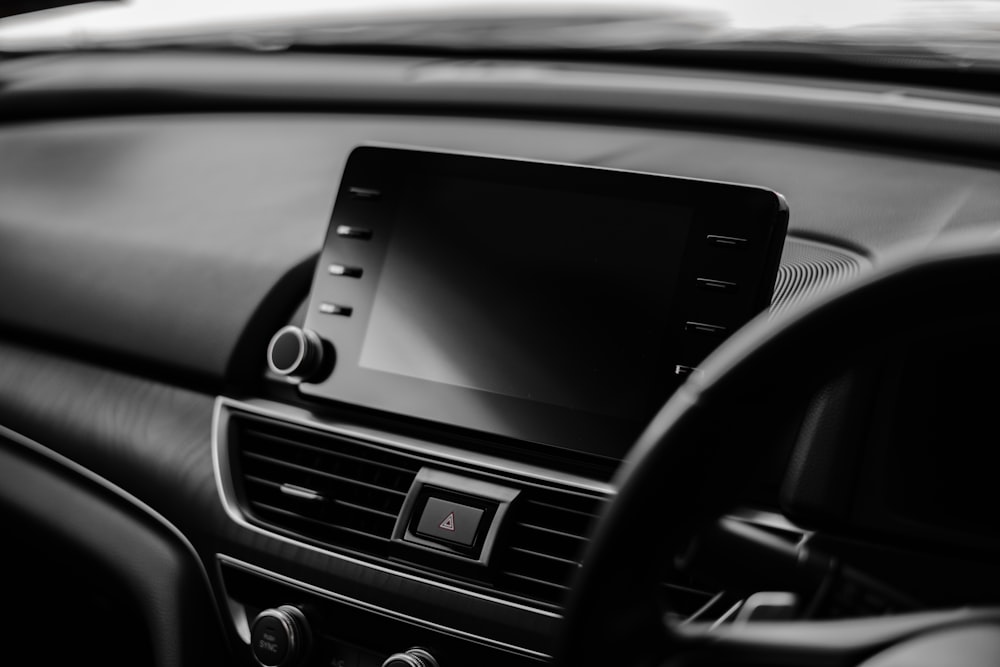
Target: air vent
(346, 494)
(326, 488)
(545, 546)
(545, 542)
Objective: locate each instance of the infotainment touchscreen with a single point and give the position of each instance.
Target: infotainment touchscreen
(544, 303)
(542, 294)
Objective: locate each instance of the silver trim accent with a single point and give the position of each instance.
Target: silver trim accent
(405, 658)
(291, 328)
(367, 606)
(220, 460)
(70, 464)
(427, 659)
(482, 463)
(300, 492)
(729, 613)
(767, 519)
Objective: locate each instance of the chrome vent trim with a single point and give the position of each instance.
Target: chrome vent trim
(563, 515)
(318, 486)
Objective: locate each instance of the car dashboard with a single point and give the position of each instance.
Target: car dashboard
(163, 216)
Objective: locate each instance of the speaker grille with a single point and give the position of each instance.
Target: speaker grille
(809, 268)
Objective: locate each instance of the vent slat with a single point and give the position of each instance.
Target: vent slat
(546, 542)
(328, 489)
(560, 588)
(558, 508)
(550, 557)
(322, 524)
(336, 501)
(551, 531)
(346, 494)
(362, 508)
(334, 454)
(323, 474)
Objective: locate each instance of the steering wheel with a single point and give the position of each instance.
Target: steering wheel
(684, 471)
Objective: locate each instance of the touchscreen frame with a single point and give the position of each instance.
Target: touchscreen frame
(359, 237)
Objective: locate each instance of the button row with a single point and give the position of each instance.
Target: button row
(713, 285)
(344, 270)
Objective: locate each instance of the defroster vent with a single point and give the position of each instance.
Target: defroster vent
(326, 488)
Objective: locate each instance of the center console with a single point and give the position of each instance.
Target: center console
(461, 301)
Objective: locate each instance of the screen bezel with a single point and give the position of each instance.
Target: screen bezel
(755, 213)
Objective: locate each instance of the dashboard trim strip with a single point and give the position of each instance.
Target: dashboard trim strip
(488, 464)
(71, 465)
(223, 484)
(339, 597)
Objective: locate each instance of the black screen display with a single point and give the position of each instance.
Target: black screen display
(550, 296)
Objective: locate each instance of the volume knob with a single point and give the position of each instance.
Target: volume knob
(295, 352)
(414, 657)
(279, 637)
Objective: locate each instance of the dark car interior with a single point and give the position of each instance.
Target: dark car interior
(419, 358)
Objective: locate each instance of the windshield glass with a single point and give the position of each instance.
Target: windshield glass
(959, 29)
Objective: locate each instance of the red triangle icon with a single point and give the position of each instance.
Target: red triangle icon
(448, 523)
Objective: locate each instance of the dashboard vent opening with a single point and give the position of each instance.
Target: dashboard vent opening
(545, 544)
(323, 487)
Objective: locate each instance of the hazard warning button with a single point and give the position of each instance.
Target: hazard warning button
(450, 521)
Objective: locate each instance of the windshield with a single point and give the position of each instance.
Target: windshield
(965, 31)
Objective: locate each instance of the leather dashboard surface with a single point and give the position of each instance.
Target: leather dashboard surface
(160, 237)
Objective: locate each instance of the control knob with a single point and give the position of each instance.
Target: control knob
(280, 637)
(414, 657)
(295, 352)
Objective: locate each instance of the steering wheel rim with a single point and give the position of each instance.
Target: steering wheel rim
(611, 617)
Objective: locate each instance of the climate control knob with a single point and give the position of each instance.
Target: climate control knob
(280, 637)
(295, 352)
(414, 657)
